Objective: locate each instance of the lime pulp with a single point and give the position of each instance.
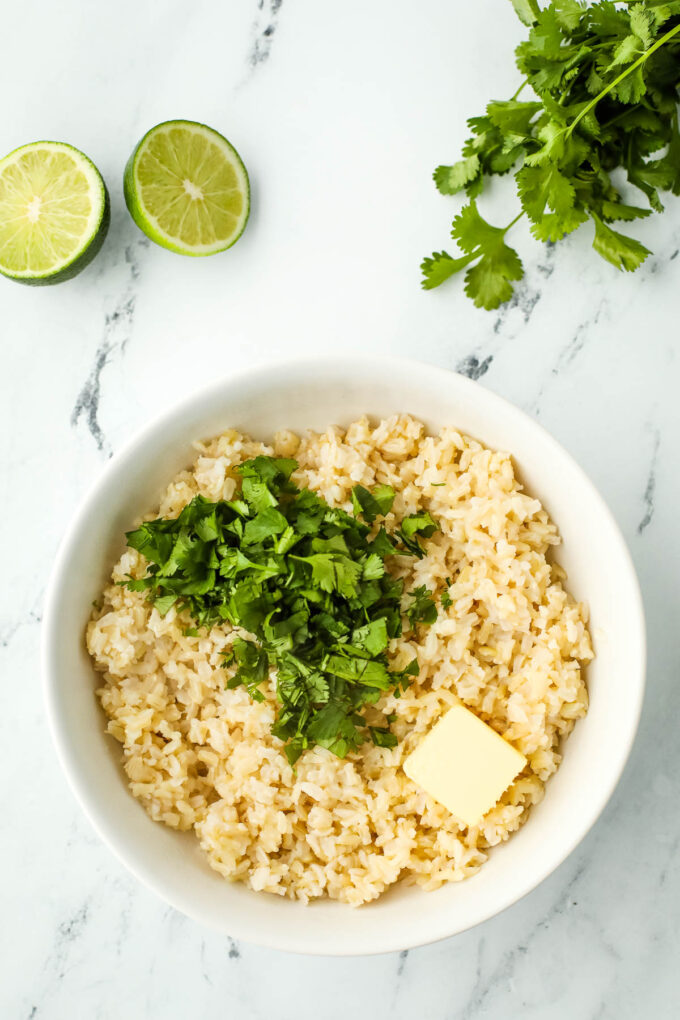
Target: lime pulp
(54, 212)
(187, 189)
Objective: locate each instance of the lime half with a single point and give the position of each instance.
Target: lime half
(186, 187)
(54, 212)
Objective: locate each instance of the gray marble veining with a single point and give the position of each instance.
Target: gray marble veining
(263, 31)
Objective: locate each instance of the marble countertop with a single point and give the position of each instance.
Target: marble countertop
(340, 112)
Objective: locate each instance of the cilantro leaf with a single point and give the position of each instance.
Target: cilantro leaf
(164, 603)
(263, 478)
(452, 179)
(548, 197)
(368, 672)
(372, 636)
(513, 116)
(612, 211)
(253, 667)
(404, 677)
(416, 524)
(422, 608)
(543, 186)
(332, 728)
(623, 252)
(487, 282)
(644, 24)
(333, 572)
(266, 523)
(275, 471)
(382, 737)
(527, 10)
(384, 497)
(440, 267)
(568, 13)
(370, 504)
(630, 47)
(373, 567)
(382, 545)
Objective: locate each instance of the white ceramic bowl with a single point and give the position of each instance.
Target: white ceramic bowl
(314, 394)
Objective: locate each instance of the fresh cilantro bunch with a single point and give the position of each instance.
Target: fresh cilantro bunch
(309, 581)
(606, 80)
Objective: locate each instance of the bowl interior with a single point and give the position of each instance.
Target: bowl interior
(303, 396)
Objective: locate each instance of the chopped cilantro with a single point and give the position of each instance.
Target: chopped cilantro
(422, 608)
(308, 583)
(416, 524)
(382, 736)
(371, 504)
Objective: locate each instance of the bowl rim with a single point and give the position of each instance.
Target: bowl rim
(50, 678)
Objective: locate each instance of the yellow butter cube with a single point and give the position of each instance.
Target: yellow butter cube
(464, 764)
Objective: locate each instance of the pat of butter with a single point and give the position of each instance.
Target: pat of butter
(464, 764)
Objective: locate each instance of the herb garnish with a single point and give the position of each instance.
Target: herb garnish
(422, 608)
(606, 81)
(309, 582)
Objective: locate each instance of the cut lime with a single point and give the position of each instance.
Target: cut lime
(54, 212)
(186, 187)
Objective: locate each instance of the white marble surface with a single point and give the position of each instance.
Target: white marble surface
(340, 112)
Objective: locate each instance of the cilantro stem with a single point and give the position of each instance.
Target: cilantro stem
(512, 222)
(624, 74)
(525, 82)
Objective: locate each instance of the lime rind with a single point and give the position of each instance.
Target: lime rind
(89, 241)
(149, 223)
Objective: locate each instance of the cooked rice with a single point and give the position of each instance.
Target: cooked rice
(510, 648)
